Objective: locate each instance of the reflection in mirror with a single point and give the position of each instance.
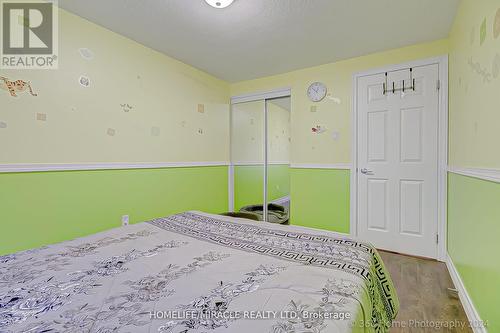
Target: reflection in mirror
(247, 153)
(278, 157)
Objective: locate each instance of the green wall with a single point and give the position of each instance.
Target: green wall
(249, 180)
(41, 208)
(248, 185)
(473, 244)
(278, 180)
(320, 199)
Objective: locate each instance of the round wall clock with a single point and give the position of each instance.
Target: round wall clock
(316, 91)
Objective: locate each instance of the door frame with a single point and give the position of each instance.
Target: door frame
(251, 97)
(442, 166)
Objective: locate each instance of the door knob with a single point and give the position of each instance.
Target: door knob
(366, 171)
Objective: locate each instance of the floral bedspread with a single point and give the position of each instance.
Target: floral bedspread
(196, 272)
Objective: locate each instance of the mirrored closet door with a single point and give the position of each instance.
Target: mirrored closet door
(260, 159)
(247, 153)
(278, 158)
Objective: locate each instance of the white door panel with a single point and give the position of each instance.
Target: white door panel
(411, 135)
(398, 161)
(377, 204)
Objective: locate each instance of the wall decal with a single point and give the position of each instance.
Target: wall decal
(3, 124)
(84, 81)
(334, 99)
(126, 107)
(495, 67)
(482, 33)
(318, 129)
(478, 69)
(155, 131)
(86, 53)
(41, 116)
(111, 132)
(496, 24)
(201, 108)
(14, 87)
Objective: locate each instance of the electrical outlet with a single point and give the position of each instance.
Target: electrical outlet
(124, 220)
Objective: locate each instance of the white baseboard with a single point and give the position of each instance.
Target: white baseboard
(471, 312)
(281, 200)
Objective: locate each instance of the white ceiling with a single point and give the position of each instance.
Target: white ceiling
(255, 38)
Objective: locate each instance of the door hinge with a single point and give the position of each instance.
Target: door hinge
(437, 238)
(438, 85)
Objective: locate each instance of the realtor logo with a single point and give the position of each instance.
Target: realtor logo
(29, 38)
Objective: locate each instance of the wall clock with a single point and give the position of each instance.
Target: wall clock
(316, 91)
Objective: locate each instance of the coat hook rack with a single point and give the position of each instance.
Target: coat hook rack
(403, 89)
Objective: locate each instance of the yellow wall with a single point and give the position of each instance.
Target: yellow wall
(475, 86)
(323, 148)
(247, 132)
(163, 92)
(278, 133)
(247, 137)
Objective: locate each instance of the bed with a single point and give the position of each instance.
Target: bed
(197, 272)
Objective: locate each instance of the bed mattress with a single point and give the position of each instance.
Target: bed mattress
(197, 272)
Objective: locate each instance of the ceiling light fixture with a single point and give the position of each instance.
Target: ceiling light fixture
(219, 3)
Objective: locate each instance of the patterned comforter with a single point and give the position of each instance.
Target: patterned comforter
(196, 272)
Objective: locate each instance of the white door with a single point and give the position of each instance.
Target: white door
(398, 161)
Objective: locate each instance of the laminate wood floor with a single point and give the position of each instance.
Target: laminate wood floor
(423, 296)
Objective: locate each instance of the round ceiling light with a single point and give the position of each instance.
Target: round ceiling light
(219, 3)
